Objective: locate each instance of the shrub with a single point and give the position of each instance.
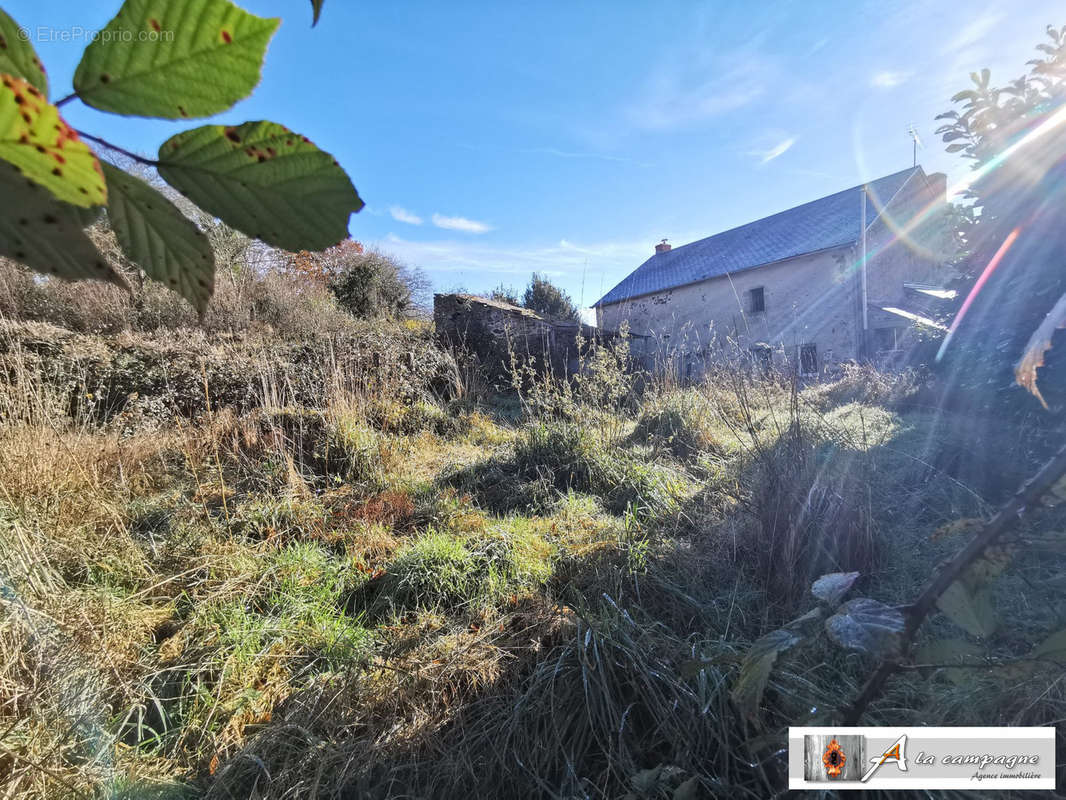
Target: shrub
(247, 297)
(371, 284)
(182, 373)
(548, 300)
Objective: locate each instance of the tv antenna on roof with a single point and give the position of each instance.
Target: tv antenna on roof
(913, 133)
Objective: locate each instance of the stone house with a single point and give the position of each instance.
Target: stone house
(792, 289)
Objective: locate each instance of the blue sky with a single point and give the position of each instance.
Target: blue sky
(491, 139)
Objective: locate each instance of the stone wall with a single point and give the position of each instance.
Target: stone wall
(491, 331)
(809, 300)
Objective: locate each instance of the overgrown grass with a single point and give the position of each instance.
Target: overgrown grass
(380, 593)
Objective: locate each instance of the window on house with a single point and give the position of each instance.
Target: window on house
(808, 359)
(758, 300)
(887, 338)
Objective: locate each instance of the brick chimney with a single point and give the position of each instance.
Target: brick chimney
(662, 247)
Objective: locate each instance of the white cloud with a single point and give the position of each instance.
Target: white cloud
(886, 79)
(401, 214)
(779, 149)
(975, 31)
(693, 87)
(461, 224)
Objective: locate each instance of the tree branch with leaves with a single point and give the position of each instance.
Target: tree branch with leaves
(188, 59)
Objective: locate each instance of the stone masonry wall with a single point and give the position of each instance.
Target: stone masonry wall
(491, 330)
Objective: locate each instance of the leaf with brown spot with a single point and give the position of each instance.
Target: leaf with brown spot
(17, 56)
(159, 239)
(36, 139)
(265, 183)
(1039, 343)
(48, 235)
(204, 56)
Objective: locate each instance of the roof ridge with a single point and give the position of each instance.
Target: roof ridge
(811, 202)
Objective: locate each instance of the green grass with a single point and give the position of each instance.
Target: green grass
(443, 571)
(567, 457)
(682, 423)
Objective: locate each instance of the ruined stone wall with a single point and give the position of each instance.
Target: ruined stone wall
(491, 331)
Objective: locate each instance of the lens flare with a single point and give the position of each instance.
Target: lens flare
(992, 264)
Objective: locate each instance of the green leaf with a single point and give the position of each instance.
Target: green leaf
(316, 11)
(174, 58)
(265, 181)
(831, 588)
(47, 235)
(159, 239)
(950, 651)
(755, 671)
(954, 148)
(866, 625)
(808, 623)
(17, 56)
(968, 601)
(47, 151)
(970, 610)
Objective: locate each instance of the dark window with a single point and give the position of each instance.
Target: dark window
(808, 359)
(887, 338)
(758, 300)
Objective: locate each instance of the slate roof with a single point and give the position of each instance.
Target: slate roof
(822, 224)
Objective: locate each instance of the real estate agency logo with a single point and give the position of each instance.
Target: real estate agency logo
(842, 757)
(989, 759)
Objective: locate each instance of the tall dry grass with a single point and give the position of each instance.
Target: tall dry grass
(330, 581)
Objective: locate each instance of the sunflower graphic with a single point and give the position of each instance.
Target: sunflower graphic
(834, 759)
